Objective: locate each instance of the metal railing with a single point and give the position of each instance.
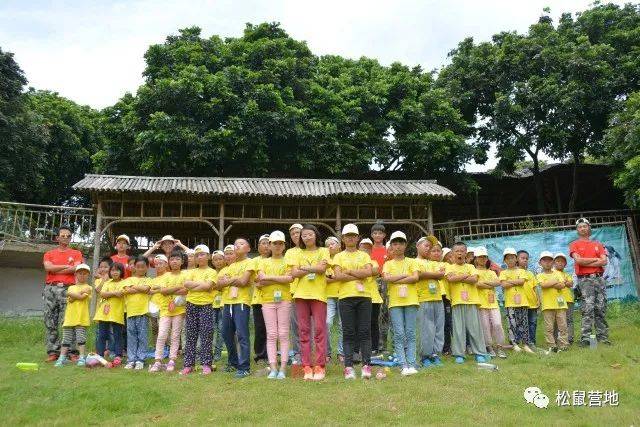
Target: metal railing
(32, 223)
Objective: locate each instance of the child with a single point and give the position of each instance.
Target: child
(379, 255)
(512, 280)
(235, 283)
(371, 283)
(310, 296)
(171, 312)
(290, 256)
(333, 290)
(217, 259)
(259, 328)
(554, 307)
(161, 263)
(122, 246)
(559, 264)
(76, 315)
(531, 292)
(136, 298)
(110, 313)
(191, 259)
(274, 281)
(446, 348)
(351, 269)
(489, 311)
(199, 283)
(462, 278)
(401, 274)
(431, 312)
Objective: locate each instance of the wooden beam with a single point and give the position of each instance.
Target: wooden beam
(96, 253)
(221, 230)
(430, 218)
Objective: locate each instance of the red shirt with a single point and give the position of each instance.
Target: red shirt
(124, 260)
(587, 249)
(379, 254)
(68, 257)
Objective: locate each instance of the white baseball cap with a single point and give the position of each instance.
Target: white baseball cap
(366, 241)
(296, 225)
(167, 237)
(350, 229)
(420, 240)
(190, 251)
(398, 235)
(83, 267)
(263, 237)
(582, 221)
(545, 254)
(217, 252)
(445, 251)
(560, 255)
(202, 248)
(123, 237)
(161, 257)
(276, 236)
(331, 239)
(509, 251)
(480, 251)
(229, 248)
(471, 249)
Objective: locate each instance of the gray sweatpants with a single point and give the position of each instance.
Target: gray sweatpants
(431, 323)
(465, 319)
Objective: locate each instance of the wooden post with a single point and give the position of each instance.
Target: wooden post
(221, 230)
(96, 252)
(429, 218)
(477, 205)
(338, 219)
(635, 256)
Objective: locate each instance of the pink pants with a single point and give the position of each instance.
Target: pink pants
(306, 309)
(277, 319)
(164, 324)
(491, 322)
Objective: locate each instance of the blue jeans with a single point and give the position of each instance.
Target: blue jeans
(532, 317)
(235, 322)
(217, 329)
(105, 333)
(333, 313)
(403, 323)
(137, 327)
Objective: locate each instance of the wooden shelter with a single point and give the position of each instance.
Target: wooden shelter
(216, 210)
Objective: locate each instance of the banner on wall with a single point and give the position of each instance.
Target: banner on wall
(618, 272)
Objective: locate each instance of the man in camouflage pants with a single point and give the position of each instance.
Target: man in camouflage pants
(590, 258)
(59, 264)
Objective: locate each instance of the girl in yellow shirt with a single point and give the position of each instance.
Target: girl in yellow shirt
(559, 264)
(333, 290)
(110, 313)
(217, 259)
(489, 311)
(512, 280)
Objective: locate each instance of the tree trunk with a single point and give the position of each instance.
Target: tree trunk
(537, 180)
(574, 189)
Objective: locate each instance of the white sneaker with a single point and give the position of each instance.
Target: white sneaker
(405, 372)
(349, 373)
(129, 365)
(516, 348)
(139, 366)
(527, 349)
(411, 370)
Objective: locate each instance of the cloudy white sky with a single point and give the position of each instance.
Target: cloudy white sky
(92, 51)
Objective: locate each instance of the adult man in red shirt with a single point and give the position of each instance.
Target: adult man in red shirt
(590, 257)
(59, 264)
(122, 246)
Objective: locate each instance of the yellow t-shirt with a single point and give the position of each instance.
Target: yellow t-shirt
(256, 293)
(460, 292)
(136, 304)
(333, 288)
(172, 280)
(207, 274)
(552, 298)
(243, 294)
(514, 296)
(156, 282)
(372, 285)
(530, 287)
(110, 309)
(352, 261)
(291, 258)
(395, 290)
(271, 293)
(77, 311)
(567, 293)
(312, 285)
(487, 296)
(429, 289)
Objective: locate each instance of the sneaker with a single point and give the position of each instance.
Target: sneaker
(492, 353)
(171, 366)
(242, 374)
(62, 360)
(185, 371)
(527, 349)
(366, 372)
(533, 347)
(516, 348)
(411, 370)
(229, 369)
(501, 354)
(308, 373)
(405, 372)
(117, 361)
(560, 349)
(52, 357)
(281, 375)
(349, 373)
(81, 361)
(480, 358)
(584, 343)
(139, 365)
(129, 365)
(273, 374)
(155, 367)
(459, 360)
(318, 373)
(206, 369)
(437, 361)
(426, 362)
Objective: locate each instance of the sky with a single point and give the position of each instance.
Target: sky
(92, 51)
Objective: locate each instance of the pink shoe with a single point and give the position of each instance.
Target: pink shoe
(117, 361)
(155, 367)
(186, 371)
(171, 366)
(366, 372)
(206, 370)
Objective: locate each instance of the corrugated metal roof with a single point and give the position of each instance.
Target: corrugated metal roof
(267, 187)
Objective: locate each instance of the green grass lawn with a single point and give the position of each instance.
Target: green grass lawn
(451, 394)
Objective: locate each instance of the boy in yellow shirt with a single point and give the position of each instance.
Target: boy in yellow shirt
(218, 261)
(401, 275)
(559, 264)
(259, 328)
(110, 313)
(462, 278)
(333, 291)
(554, 306)
(512, 280)
(76, 316)
(531, 291)
(136, 299)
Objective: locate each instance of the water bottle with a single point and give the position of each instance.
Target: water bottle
(487, 366)
(593, 343)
